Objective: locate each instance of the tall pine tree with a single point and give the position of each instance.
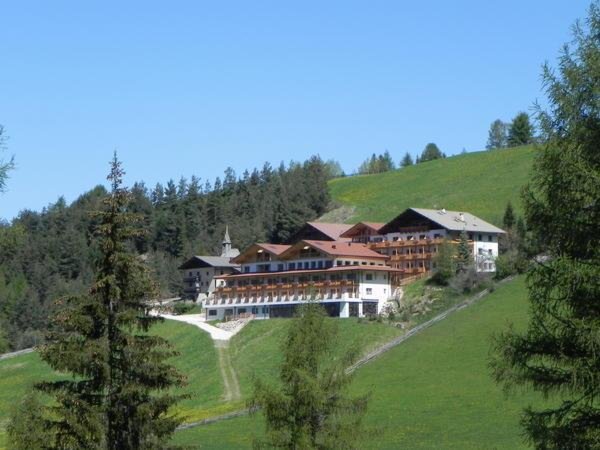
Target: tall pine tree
(559, 352)
(116, 398)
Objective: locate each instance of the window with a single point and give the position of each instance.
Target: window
(320, 265)
(313, 264)
(190, 274)
(490, 238)
(279, 267)
(306, 264)
(479, 237)
(328, 264)
(346, 263)
(246, 269)
(207, 273)
(212, 312)
(369, 277)
(292, 266)
(241, 311)
(490, 251)
(369, 291)
(470, 236)
(255, 310)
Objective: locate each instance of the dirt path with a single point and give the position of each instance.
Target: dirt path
(230, 380)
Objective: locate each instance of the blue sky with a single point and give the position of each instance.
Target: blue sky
(182, 88)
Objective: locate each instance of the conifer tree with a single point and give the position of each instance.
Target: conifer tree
(520, 131)
(431, 152)
(463, 256)
(496, 135)
(116, 398)
(5, 166)
(311, 409)
(509, 217)
(406, 160)
(558, 354)
(445, 266)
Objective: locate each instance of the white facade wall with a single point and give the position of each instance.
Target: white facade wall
(373, 286)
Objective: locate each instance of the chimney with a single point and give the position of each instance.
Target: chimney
(443, 210)
(461, 217)
(333, 246)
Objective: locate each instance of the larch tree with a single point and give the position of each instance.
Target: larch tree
(558, 354)
(311, 408)
(5, 166)
(118, 396)
(463, 253)
(496, 135)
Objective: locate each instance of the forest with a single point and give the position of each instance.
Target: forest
(49, 254)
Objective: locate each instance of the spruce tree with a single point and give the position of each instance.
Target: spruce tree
(520, 131)
(116, 398)
(509, 217)
(558, 354)
(311, 409)
(431, 152)
(406, 160)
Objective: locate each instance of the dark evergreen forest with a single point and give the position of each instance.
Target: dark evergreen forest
(48, 254)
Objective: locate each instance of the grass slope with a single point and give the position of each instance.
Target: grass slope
(253, 352)
(481, 183)
(197, 359)
(434, 391)
(256, 351)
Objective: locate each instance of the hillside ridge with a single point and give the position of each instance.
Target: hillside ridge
(481, 183)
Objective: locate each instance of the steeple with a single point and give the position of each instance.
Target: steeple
(226, 244)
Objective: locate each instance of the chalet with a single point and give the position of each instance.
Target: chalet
(411, 239)
(199, 272)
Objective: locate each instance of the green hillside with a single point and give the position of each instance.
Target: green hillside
(481, 183)
(434, 391)
(254, 352)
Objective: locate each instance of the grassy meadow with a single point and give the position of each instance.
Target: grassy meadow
(433, 391)
(479, 182)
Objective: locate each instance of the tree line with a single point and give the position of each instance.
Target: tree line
(49, 254)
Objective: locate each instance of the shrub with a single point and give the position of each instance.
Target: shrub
(182, 307)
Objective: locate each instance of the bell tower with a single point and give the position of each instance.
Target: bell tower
(226, 244)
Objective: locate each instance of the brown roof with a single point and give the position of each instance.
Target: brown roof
(329, 270)
(344, 248)
(355, 229)
(274, 249)
(333, 230)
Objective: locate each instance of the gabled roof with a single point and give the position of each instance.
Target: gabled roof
(360, 226)
(273, 249)
(208, 261)
(332, 230)
(450, 220)
(336, 249)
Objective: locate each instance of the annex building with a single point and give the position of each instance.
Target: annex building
(352, 270)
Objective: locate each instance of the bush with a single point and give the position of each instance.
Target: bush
(182, 307)
(510, 263)
(470, 280)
